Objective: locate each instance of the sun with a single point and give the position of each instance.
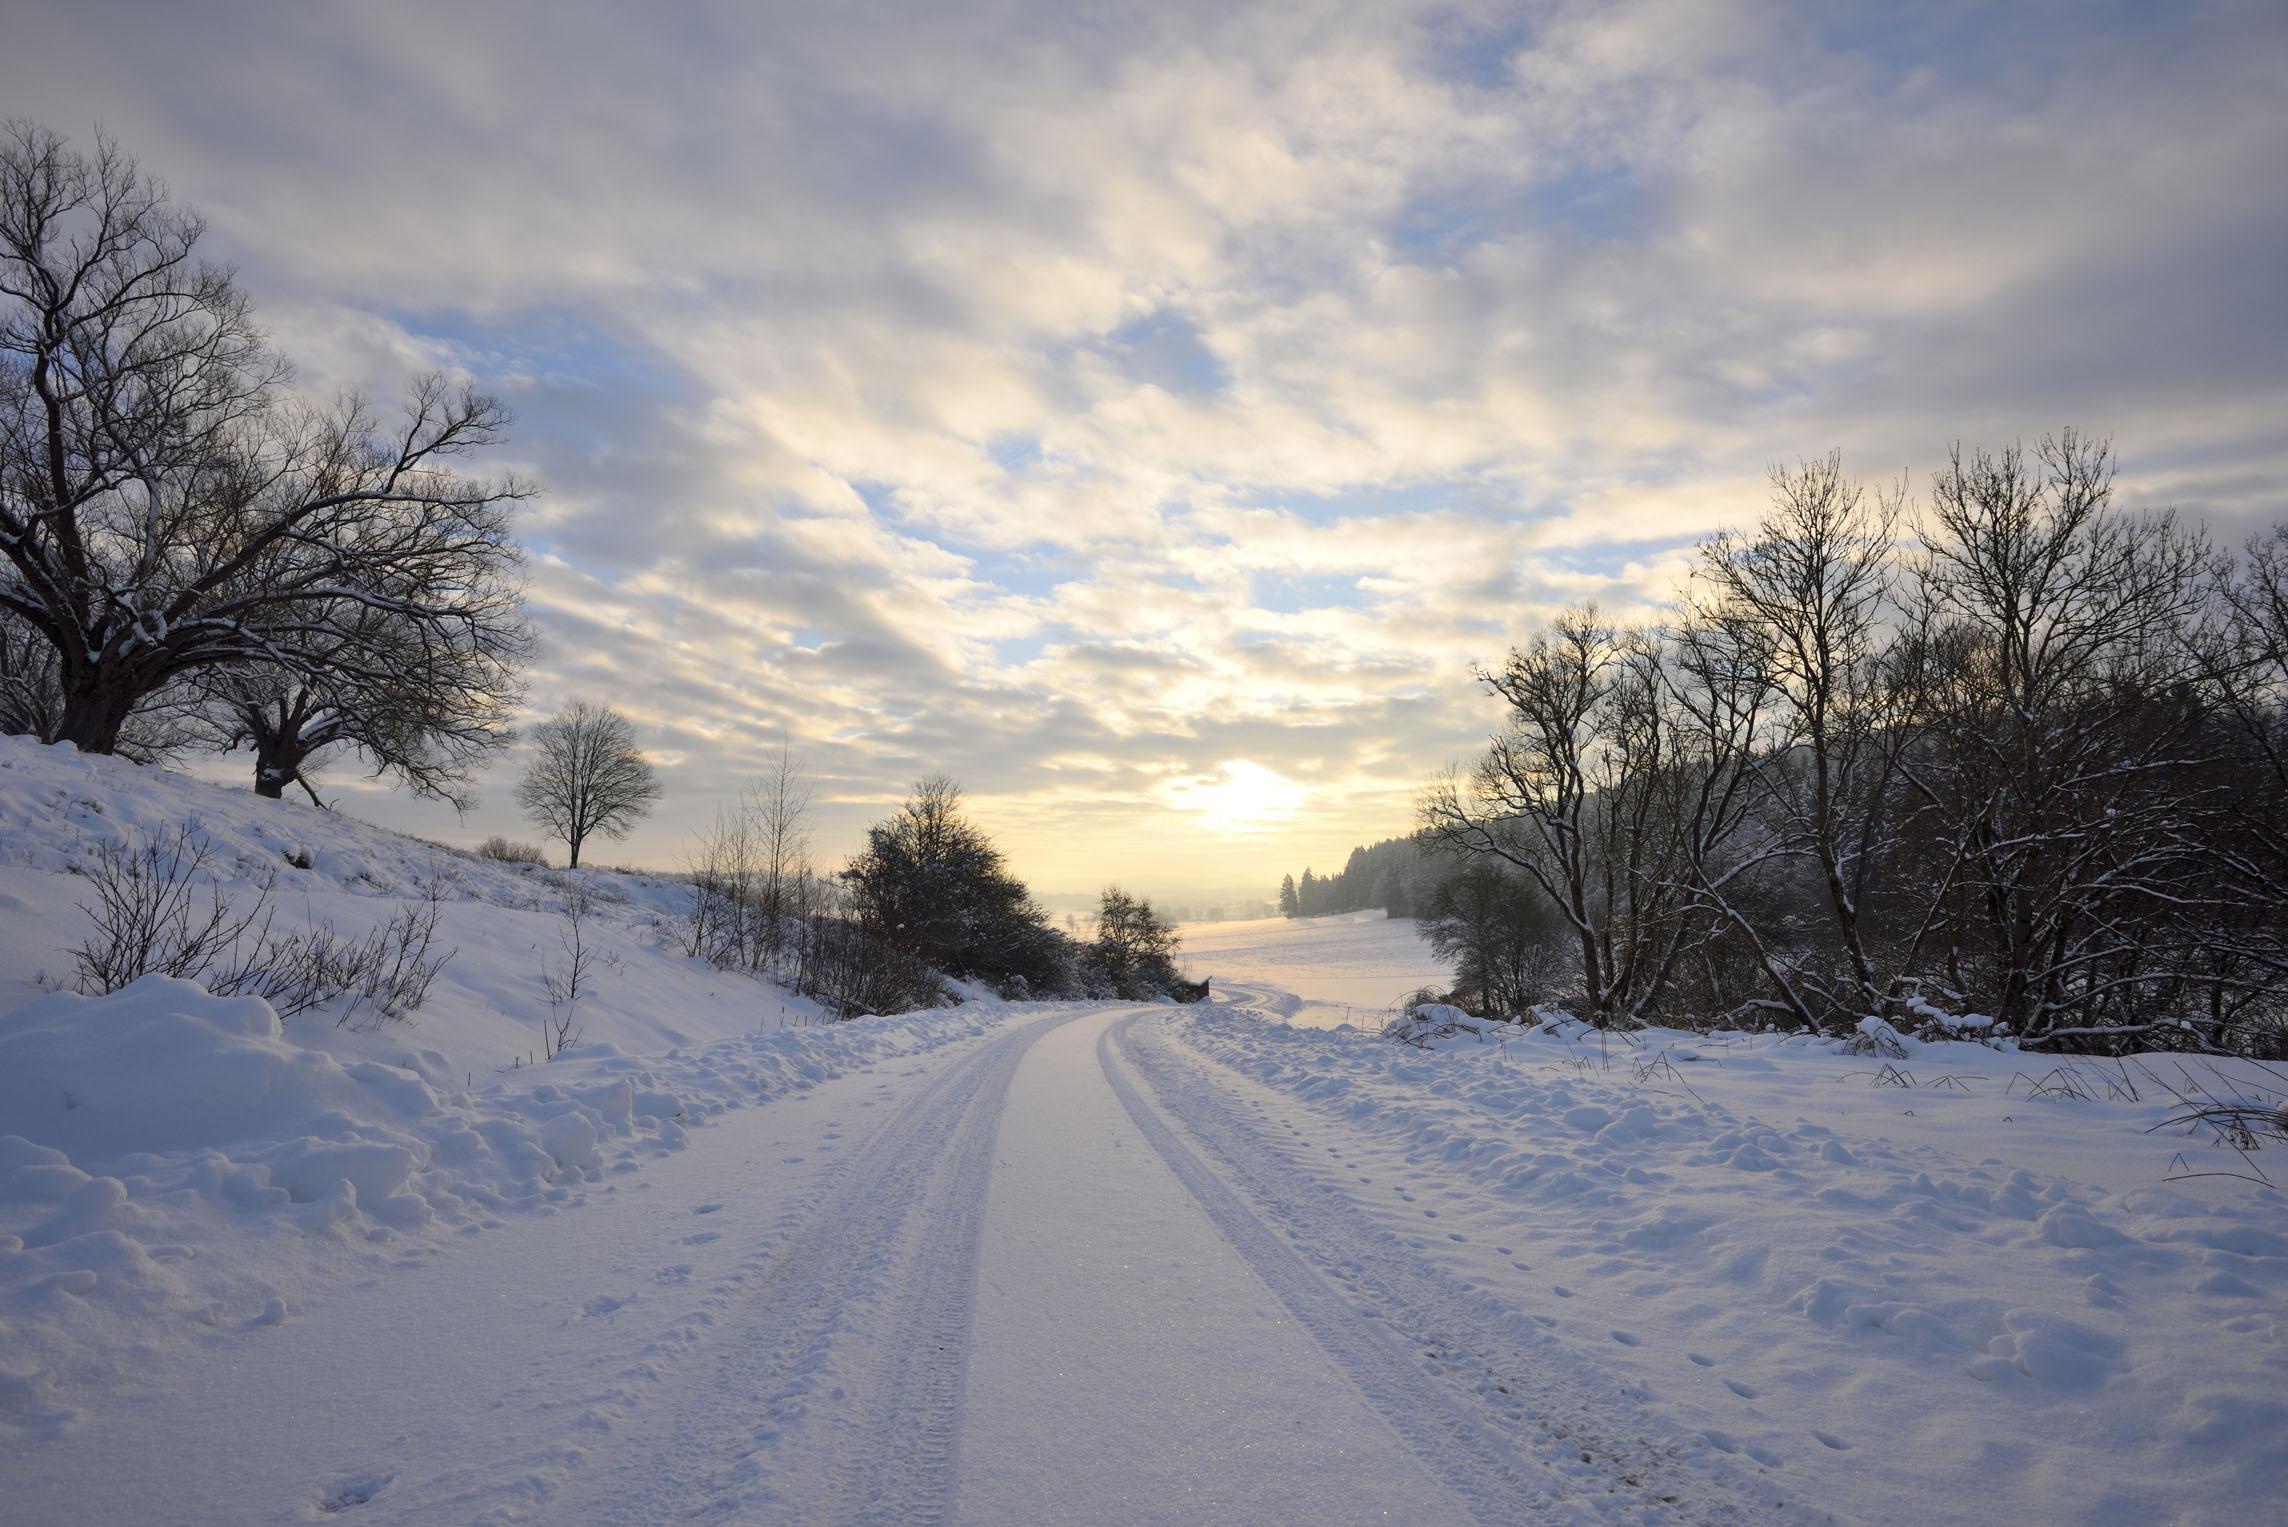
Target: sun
(1243, 796)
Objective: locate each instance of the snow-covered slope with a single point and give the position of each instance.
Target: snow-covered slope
(174, 1163)
(503, 922)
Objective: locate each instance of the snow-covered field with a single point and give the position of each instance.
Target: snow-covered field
(1095, 1263)
(1348, 967)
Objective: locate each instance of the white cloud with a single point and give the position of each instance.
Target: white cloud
(822, 324)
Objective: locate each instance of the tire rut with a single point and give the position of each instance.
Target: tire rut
(880, 1273)
(1490, 1415)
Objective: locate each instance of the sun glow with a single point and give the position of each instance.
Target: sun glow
(1243, 797)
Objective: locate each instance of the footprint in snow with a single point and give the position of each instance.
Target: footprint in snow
(1628, 1339)
(1744, 1391)
(705, 1208)
(1705, 1362)
(602, 1304)
(1827, 1439)
(357, 1490)
(1561, 1291)
(703, 1238)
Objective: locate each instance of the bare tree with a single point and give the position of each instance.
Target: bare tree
(428, 715)
(166, 507)
(780, 806)
(752, 881)
(1809, 593)
(588, 778)
(1585, 793)
(2070, 771)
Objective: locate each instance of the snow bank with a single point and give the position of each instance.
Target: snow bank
(1948, 1262)
(501, 924)
(168, 1161)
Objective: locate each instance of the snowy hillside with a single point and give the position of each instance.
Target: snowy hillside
(175, 1164)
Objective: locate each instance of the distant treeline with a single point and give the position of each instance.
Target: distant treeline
(1397, 876)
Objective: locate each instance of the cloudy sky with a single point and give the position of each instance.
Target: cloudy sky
(1146, 413)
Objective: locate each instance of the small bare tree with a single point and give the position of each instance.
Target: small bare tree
(567, 980)
(752, 881)
(781, 809)
(588, 778)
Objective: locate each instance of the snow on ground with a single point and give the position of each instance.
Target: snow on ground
(1346, 967)
(1083, 1262)
(1967, 1284)
(174, 1164)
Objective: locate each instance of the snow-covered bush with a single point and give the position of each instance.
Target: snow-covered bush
(1426, 1025)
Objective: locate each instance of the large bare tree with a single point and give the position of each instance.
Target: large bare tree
(2071, 771)
(167, 505)
(588, 778)
(425, 705)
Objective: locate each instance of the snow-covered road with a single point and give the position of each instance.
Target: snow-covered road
(1067, 1270)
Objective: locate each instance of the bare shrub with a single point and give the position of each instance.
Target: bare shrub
(149, 918)
(569, 978)
(853, 972)
(508, 851)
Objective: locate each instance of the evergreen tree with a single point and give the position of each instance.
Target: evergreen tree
(1288, 905)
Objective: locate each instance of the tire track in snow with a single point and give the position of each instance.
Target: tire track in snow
(836, 1396)
(1380, 1311)
(1481, 1469)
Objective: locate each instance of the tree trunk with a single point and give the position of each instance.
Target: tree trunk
(95, 713)
(278, 761)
